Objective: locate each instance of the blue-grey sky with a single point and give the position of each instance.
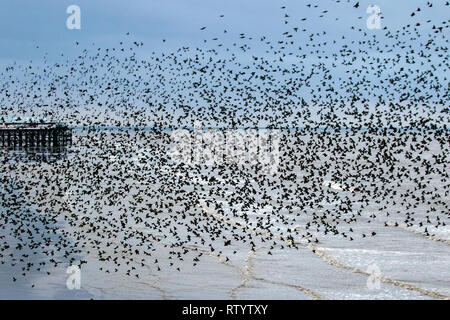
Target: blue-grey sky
(329, 41)
(25, 24)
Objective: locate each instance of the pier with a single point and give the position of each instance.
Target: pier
(35, 136)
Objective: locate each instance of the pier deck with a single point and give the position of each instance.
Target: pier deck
(35, 135)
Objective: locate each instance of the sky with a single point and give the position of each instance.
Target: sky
(34, 32)
(25, 24)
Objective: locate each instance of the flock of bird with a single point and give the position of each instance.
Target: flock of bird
(368, 115)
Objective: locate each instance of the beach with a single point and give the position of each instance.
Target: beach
(119, 202)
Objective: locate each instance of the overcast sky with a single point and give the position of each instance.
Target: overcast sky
(25, 24)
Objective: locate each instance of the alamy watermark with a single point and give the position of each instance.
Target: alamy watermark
(374, 20)
(246, 147)
(373, 282)
(74, 280)
(74, 20)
